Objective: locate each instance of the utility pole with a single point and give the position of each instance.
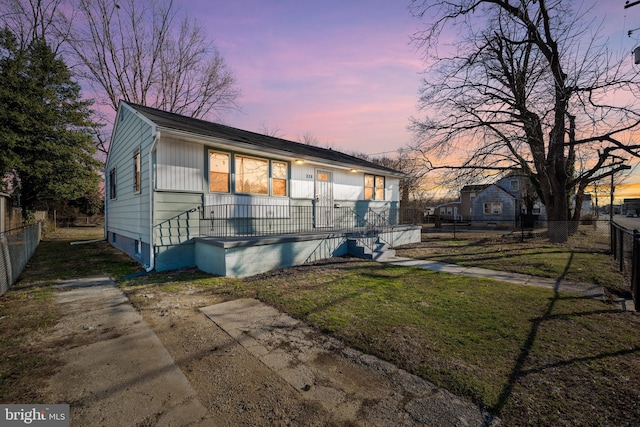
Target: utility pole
(611, 202)
(622, 167)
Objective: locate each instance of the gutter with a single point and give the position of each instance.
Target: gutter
(152, 251)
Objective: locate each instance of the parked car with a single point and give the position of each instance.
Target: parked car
(631, 214)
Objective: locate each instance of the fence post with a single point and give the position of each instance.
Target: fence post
(612, 237)
(621, 248)
(454, 227)
(635, 271)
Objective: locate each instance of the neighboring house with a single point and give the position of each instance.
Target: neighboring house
(631, 205)
(467, 196)
(448, 211)
(459, 210)
(494, 206)
(491, 206)
(186, 192)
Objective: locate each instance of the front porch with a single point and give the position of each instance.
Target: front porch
(244, 240)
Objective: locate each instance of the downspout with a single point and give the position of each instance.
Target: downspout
(106, 205)
(152, 251)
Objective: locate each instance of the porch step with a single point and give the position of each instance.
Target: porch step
(370, 248)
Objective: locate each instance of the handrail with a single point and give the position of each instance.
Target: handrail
(241, 220)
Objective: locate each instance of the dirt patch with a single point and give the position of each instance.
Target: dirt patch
(261, 367)
(231, 384)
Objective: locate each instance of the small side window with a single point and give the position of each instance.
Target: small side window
(112, 183)
(136, 172)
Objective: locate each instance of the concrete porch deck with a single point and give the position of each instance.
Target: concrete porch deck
(248, 256)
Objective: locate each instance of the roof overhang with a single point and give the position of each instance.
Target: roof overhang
(284, 154)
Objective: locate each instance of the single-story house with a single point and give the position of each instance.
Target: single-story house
(449, 211)
(509, 202)
(494, 206)
(631, 205)
(184, 192)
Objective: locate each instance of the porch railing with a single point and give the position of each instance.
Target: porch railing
(234, 220)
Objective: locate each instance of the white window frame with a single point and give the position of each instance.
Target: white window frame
(232, 174)
(210, 152)
(377, 191)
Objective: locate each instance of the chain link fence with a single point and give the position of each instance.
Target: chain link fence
(554, 230)
(16, 248)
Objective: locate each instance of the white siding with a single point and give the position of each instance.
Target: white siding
(348, 185)
(180, 165)
(302, 181)
(392, 189)
(128, 214)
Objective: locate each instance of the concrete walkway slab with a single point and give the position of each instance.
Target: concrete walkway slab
(347, 383)
(115, 357)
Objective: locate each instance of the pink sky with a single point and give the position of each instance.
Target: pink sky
(341, 70)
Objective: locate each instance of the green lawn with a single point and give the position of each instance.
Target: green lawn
(530, 355)
(584, 258)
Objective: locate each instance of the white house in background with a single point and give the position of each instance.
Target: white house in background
(186, 192)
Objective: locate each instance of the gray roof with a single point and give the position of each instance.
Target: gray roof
(178, 122)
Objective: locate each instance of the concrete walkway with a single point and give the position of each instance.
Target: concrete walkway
(355, 388)
(586, 290)
(116, 371)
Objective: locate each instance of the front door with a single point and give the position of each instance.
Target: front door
(323, 205)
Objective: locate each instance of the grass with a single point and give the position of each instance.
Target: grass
(584, 258)
(29, 309)
(532, 356)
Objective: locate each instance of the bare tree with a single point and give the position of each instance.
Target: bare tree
(527, 85)
(33, 20)
(309, 138)
(148, 53)
(276, 132)
(407, 163)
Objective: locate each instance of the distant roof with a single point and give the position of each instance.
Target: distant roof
(476, 187)
(174, 121)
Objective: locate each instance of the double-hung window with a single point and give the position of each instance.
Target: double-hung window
(249, 175)
(218, 172)
(373, 187)
(278, 178)
(493, 208)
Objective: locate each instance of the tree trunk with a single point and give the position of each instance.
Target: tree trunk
(557, 218)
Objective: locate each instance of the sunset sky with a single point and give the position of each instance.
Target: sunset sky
(342, 70)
